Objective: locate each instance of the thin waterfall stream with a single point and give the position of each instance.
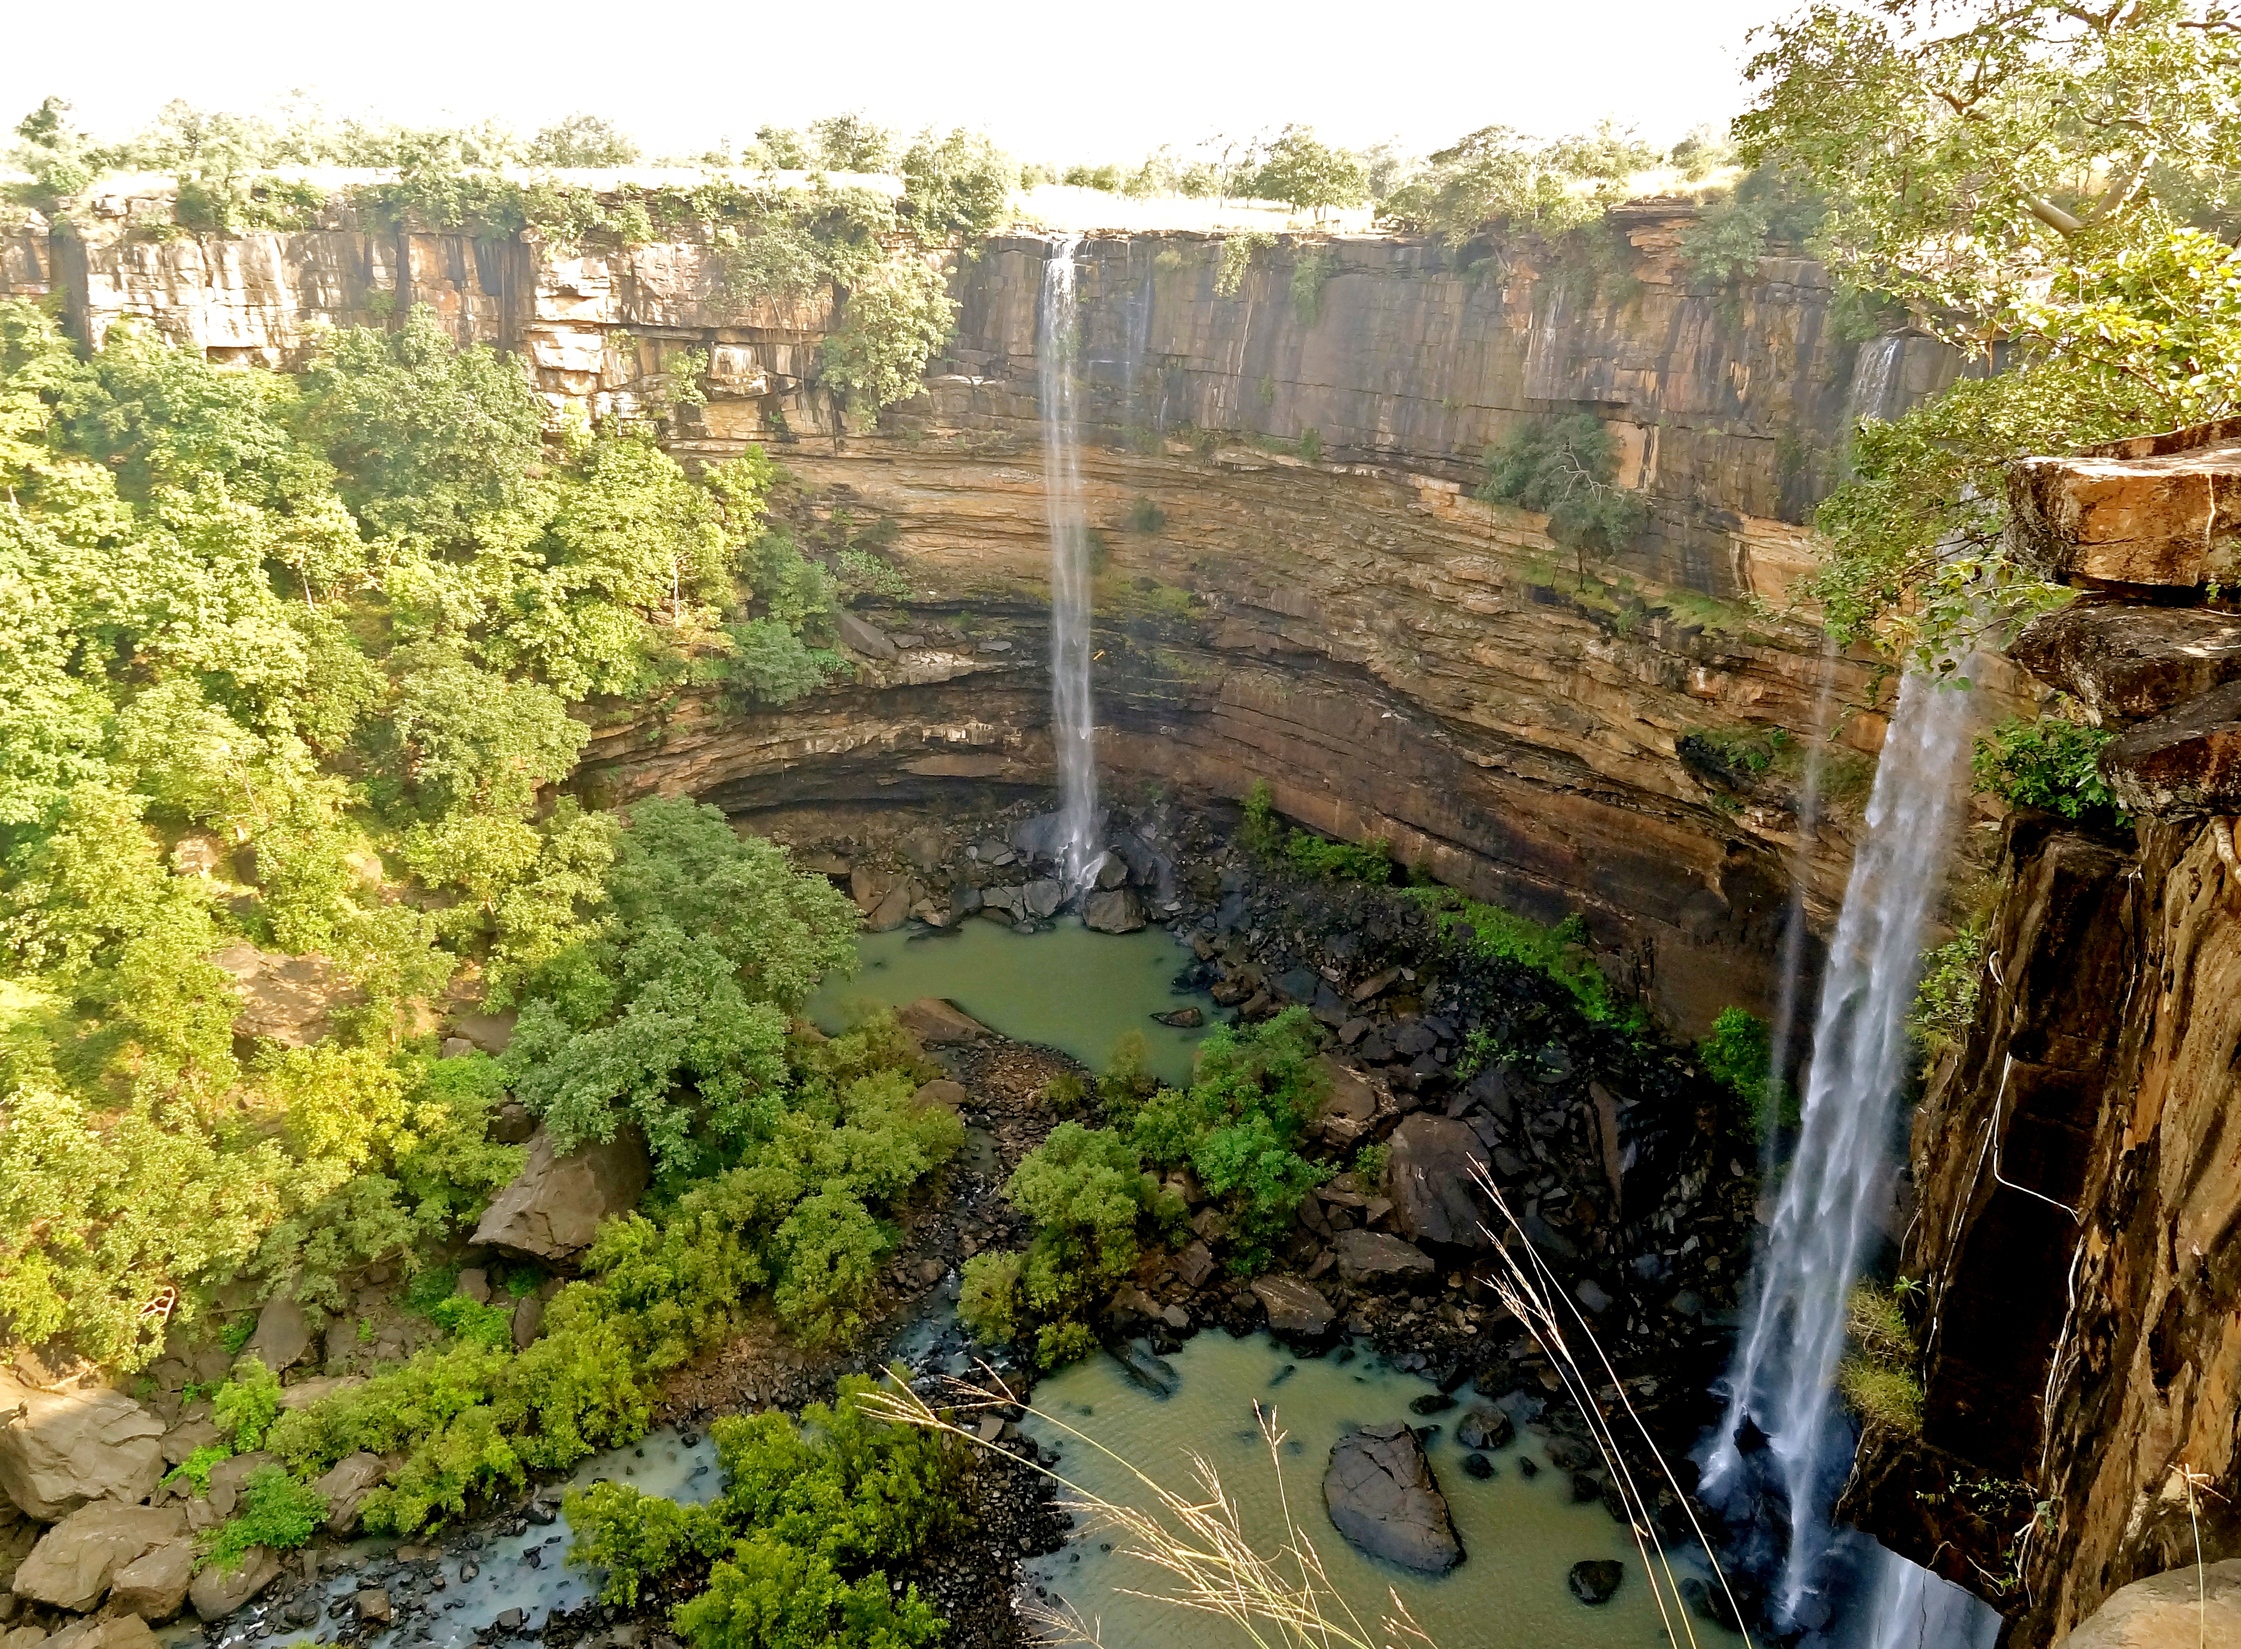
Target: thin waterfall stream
(1782, 1385)
(1073, 712)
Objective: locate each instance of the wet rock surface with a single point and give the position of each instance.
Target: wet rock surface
(1382, 1497)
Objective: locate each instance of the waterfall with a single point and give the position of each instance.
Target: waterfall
(1911, 1608)
(1874, 373)
(1073, 716)
(1783, 1381)
(1783, 1038)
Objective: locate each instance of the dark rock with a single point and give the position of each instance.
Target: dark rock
(1572, 1454)
(1485, 1429)
(1153, 1373)
(511, 1124)
(1433, 1179)
(1194, 1265)
(860, 637)
(1594, 1580)
(283, 1334)
(1432, 1402)
(2187, 761)
(1383, 1498)
(1042, 897)
(1296, 1310)
(509, 1620)
(1592, 1295)
(1374, 1257)
(1412, 1037)
(553, 1207)
(1478, 1466)
(1298, 985)
(2127, 663)
(1112, 872)
(1585, 1489)
(1182, 1019)
(1527, 1466)
(1115, 911)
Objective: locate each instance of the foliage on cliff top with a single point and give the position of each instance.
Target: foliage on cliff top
(2052, 189)
(2050, 761)
(290, 660)
(1496, 175)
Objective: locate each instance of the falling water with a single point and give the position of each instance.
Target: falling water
(1839, 1180)
(1783, 1041)
(1911, 1608)
(1073, 717)
(1874, 375)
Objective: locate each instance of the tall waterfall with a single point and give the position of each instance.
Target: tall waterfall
(1073, 715)
(1839, 1180)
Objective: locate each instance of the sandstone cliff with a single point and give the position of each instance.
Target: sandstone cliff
(1296, 585)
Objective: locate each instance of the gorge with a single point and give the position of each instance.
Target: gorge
(478, 679)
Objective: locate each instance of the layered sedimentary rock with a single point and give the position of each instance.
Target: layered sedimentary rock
(2078, 1161)
(1296, 584)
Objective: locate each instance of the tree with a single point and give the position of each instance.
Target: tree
(1566, 468)
(583, 140)
(851, 143)
(1496, 174)
(2050, 188)
(1310, 175)
(957, 185)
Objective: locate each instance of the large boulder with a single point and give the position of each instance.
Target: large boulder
(1375, 1257)
(283, 1334)
(552, 1208)
(61, 1449)
(1351, 1105)
(1434, 1176)
(345, 1486)
(284, 999)
(154, 1584)
(217, 1593)
(2127, 663)
(934, 1021)
(75, 1561)
(104, 1631)
(1116, 910)
(1383, 1499)
(2155, 509)
(2179, 1609)
(1296, 1309)
(860, 637)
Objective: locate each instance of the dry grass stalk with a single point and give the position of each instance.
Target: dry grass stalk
(1530, 1293)
(1283, 1599)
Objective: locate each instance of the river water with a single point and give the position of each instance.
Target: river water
(1520, 1534)
(1069, 989)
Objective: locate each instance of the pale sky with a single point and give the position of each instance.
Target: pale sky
(1060, 80)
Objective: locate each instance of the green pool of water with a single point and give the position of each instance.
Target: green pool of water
(1520, 1536)
(1068, 989)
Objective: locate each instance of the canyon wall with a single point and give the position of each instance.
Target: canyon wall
(1295, 583)
(2078, 1157)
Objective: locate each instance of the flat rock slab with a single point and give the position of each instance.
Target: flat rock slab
(1382, 1497)
(552, 1208)
(934, 1021)
(1434, 1177)
(2180, 1609)
(1375, 1257)
(2186, 762)
(72, 1446)
(2158, 510)
(1296, 1309)
(2126, 662)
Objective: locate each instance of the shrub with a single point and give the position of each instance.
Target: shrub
(1565, 468)
(2050, 763)
(769, 1595)
(277, 1512)
(989, 1296)
(1737, 1053)
(1557, 952)
(639, 1539)
(246, 1404)
(1945, 1000)
(1878, 1378)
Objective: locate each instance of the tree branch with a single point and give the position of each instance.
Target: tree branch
(2052, 215)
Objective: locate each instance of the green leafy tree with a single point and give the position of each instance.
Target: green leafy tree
(1566, 468)
(1306, 173)
(1497, 175)
(582, 140)
(956, 185)
(2048, 176)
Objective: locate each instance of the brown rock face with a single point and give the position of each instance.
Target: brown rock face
(284, 999)
(2184, 1609)
(74, 1562)
(2160, 510)
(1433, 1178)
(2187, 761)
(2128, 663)
(68, 1447)
(1382, 1497)
(345, 1486)
(283, 1334)
(553, 1207)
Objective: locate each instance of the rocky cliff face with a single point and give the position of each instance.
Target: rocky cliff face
(2078, 1158)
(1295, 585)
